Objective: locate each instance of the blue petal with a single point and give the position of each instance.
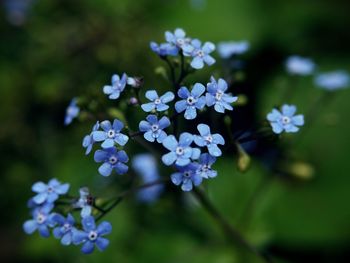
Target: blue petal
(180, 106)
(185, 139)
(274, 115)
(214, 150)
(121, 139)
(195, 153)
(115, 95)
(199, 141)
(52, 197)
(151, 95)
(105, 169)
(106, 125)
(144, 126)
(57, 232)
(40, 198)
(43, 231)
(190, 113)
(210, 99)
(187, 185)
(30, 226)
(88, 223)
(176, 178)
(152, 119)
(170, 143)
(66, 239)
(122, 156)
(162, 107)
(200, 103)
(288, 110)
(203, 129)
(86, 211)
(117, 125)
(219, 108)
(107, 89)
(147, 107)
(149, 136)
(161, 137)
(88, 247)
(79, 236)
(277, 128)
(183, 93)
(298, 120)
(197, 63)
(218, 139)
(197, 90)
(99, 136)
(102, 243)
(167, 97)
(62, 189)
(209, 60)
(108, 143)
(100, 156)
(197, 179)
(121, 168)
(222, 85)
(39, 187)
(208, 47)
(104, 228)
(164, 122)
(169, 158)
(182, 161)
(291, 128)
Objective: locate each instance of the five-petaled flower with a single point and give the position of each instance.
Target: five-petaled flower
(110, 134)
(157, 103)
(42, 220)
(118, 85)
(334, 80)
(286, 120)
(92, 235)
(216, 95)
(153, 129)
(49, 192)
(191, 101)
(297, 65)
(181, 152)
(88, 140)
(72, 112)
(187, 176)
(199, 53)
(209, 140)
(64, 228)
(206, 161)
(178, 38)
(112, 159)
(231, 48)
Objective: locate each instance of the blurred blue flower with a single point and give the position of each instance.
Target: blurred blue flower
(181, 152)
(187, 176)
(112, 159)
(297, 65)
(118, 85)
(84, 202)
(216, 95)
(178, 38)
(17, 11)
(205, 162)
(92, 235)
(72, 112)
(145, 165)
(64, 228)
(88, 140)
(199, 53)
(110, 134)
(334, 80)
(164, 49)
(49, 192)
(42, 220)
(209, 140)
(153, 129)
(157, 103)
(228, 49)
(191, 101)
(286, 120)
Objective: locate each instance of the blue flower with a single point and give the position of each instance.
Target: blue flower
(153, 129)
(187, 176)
(112, 159)
(85, 202)
(158, 103)
(178, 38)
(92, 235)
(118, 85)
(49, 192)
(297, 65)
(228, 49)
(191, 101)
(42, 220)
(181, 152)
(333, 80)
(206, 161)
(199, 54)
(88, 140)
(145, 165)
(64, 228)
(209, 140)
(72, 112)
(110, 134)
(285, 120)
(164, 49)
(216, 95)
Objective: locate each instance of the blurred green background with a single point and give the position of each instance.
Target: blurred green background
(62, 48)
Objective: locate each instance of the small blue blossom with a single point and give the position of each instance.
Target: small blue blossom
(17, 11)
(110, 134)
(84, 202)
(187, 176)
(178, 38)
(64, 228)
(49, 192)
(153, 129)
(145, 165)
(333, 80)
(42, 221)
(112, 159)
(72, 112)
(118, 85)
(209, 140)
(286, 120)
(205, 162)
(297, 65)
(199, 53)
(181, 152)
(92, 235)
(88, 140)
(157, 103)
(191, 101)
(231, 48)
(164, 49)
(216, 95)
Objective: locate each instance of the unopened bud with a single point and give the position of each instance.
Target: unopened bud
(133, 101)
(135, 82)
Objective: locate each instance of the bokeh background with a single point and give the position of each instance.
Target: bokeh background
(51, 51)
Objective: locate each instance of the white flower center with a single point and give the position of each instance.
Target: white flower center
(113, 159)
(205, 168)
(190, 100)
(180, 41)
(50, 189)
(187, 174)
(200, 53)
(209, 138)
(154, 127)
(218, 95)
(179, 151)
(285, 120)
(111, 134)
(93, 235)
(40, 218)
(66, 226)
(157, 101)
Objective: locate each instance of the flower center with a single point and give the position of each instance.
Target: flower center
(157, 101)
(154, 127)
(113, 159)
(93, 235)
(66, 226)
(200, 53)
(50, 189)
(205, 168)
(285, 120)
(179, 150)
(180, 41)
(40, 218)
(218, 95)
(209, 138)
(187, 174)
(191, 100)
(111, 134)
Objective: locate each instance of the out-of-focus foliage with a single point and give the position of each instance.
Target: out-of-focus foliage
(64, 48)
